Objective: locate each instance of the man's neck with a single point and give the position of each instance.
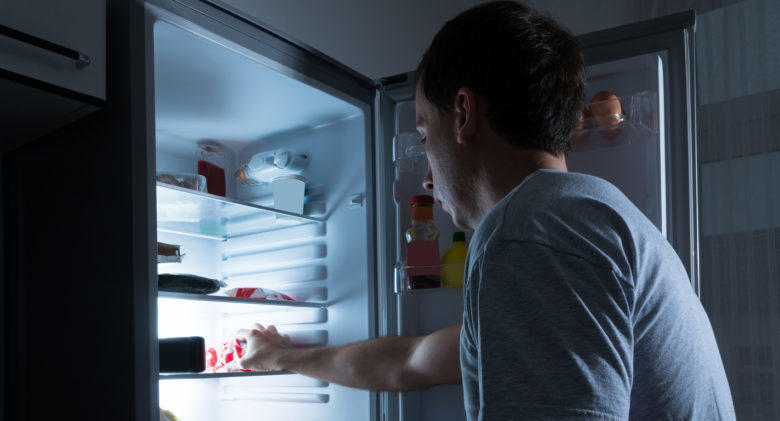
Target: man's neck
(509, 169)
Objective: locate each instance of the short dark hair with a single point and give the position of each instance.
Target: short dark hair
(529, 70)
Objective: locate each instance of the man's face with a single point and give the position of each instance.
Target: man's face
(445, 176)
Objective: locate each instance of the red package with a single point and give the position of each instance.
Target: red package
(258, 293)
(218, 359)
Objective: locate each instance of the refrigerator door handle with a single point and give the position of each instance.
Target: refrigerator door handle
(82, 60)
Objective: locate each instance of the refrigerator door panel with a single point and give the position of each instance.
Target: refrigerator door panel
(421, 311)
(221, 78)
(670, 39)
(384, 118)
(628, 153)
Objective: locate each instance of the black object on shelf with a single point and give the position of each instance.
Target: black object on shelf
(191, 284)
(182, 355)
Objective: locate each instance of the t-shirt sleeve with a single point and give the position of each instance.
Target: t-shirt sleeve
(555, 336)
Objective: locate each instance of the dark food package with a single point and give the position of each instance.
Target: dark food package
(191, 284)
(182, 355)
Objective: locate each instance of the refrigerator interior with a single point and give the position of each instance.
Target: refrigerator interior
(426, 310)
(210, 88)
(631, 153)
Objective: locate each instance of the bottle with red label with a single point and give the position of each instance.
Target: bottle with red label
(211, 164)
(422, 246)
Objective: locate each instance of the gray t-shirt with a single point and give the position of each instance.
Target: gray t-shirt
(577, 308)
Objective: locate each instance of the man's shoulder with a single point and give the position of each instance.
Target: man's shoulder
(547, 196)
(571, 213)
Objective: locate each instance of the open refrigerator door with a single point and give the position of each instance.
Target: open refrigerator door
(263, 191)
(621, 133)
(638, 128)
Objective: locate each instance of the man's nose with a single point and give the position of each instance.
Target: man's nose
(428, 179)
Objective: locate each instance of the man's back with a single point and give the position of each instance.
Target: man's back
(577, 307)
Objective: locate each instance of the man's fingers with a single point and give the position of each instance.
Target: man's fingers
(243, 334)
(272, 329)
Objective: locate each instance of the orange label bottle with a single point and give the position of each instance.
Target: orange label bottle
(422, 246)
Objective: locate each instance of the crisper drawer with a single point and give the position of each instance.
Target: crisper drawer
(41, 40)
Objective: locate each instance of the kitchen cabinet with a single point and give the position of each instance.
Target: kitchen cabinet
(52, 65)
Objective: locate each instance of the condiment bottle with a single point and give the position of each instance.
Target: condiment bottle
(422, 246)
(453, 261)
(211, 164)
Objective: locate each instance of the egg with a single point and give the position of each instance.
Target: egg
(606, 111)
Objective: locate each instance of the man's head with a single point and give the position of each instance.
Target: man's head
(516, 71)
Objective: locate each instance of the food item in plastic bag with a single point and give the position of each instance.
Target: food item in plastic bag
(257, 293)
(191, 284)
(168, 253)
(188, 181)
(217, 358)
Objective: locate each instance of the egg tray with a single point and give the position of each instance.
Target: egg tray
(638, 121)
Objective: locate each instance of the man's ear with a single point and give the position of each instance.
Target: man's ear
(466, 115)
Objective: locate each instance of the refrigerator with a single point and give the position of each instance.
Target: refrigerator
(212, 76)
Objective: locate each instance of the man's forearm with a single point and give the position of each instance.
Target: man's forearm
(376, 364)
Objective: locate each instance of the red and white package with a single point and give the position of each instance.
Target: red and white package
(217, 358)
(258, 293)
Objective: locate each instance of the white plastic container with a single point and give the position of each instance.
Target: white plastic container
(288, 192)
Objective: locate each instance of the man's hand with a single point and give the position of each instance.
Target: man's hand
(264, 348)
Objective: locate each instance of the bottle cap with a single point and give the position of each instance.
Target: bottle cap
(458, 236)
(422, 198)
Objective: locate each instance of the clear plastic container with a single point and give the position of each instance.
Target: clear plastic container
(188, 181)
(600, 126)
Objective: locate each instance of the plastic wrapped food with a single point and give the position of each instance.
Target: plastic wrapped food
(191, 284)
(217, 358)
(257, 293)
(168, 253)
(188, 181)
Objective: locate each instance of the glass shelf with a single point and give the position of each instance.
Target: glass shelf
(232, 302)
(192, 376)
(190, 212)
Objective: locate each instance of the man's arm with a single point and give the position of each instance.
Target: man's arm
(390, 363)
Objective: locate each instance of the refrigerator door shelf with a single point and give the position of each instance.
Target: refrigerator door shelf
(189, 212)
(638, 121)
(408, 151)
(404, 283)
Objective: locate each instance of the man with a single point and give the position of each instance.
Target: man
(576, 307)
